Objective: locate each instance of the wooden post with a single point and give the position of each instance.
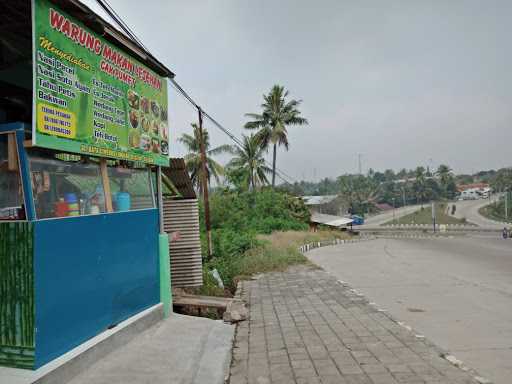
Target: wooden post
(12, 153)
(106, 185)
(204, 177)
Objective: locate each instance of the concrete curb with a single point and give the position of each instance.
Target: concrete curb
(219, 343)
(318, 244)
(425, 228)
(442, 352)
(416, 236)
(69, 365)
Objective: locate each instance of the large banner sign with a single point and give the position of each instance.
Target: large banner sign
(92, 98)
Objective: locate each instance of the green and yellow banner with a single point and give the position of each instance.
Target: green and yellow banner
(93, 98)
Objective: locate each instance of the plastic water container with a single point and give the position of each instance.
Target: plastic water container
(70, 198)
(123, 201)
(72, 202)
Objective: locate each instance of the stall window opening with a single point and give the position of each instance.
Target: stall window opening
(66, 185)
(11, 190)
(131, 188)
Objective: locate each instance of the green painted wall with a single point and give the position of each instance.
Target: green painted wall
(16, 295)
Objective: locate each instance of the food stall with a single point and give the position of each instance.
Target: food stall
(81, 146)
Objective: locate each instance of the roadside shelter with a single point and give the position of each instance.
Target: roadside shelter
(332, 221)
(83, 134)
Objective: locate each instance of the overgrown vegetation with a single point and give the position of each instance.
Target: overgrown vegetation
(255, 232)
(237, 220)
(406, 187)
(424, 216)
(496, 211)
(274, 252)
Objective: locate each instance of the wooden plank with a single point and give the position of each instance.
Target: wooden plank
(12, 153)
(106, 185)
(201, 301)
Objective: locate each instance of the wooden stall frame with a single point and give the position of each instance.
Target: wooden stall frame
(106, 185)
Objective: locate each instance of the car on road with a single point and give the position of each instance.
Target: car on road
(358, 220)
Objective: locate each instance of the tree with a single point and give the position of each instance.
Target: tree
(250, 162)
(420, 184)
(445, 175)
(272, 123)
(193, 158)
(389, 175)
(358, 191)
(502, 180)
(402, 174)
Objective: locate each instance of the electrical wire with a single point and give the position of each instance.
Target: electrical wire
(117, 19)
(279, 173)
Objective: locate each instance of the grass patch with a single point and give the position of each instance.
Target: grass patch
(424, 216)
(274, 252)
(298, 238)
(494, 211)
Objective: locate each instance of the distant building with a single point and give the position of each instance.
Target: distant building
(476, 186)
(328, 204)
(332, 221)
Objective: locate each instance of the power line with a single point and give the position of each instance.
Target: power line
(279, 173)
(115, 17)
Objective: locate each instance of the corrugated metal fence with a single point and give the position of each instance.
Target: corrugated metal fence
(182, 215)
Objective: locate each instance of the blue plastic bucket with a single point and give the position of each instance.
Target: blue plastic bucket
(123, 201)
(70, 198)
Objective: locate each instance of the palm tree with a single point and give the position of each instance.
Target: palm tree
(358, 191)
(272, 122)
(420, 184)
(193, 158)
(445, 175)
(249, 159)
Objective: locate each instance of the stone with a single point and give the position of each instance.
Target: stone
(236, 311)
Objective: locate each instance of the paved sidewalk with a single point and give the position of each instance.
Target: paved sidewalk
(306, 327)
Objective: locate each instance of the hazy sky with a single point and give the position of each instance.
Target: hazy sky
(400, 82)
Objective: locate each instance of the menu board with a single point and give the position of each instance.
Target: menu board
(91, 97)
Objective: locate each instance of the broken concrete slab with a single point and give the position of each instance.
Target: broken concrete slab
(180, 349)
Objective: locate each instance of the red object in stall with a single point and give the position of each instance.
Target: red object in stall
(61, 209)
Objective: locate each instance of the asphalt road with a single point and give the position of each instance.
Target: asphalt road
(469, 209)
(457, 292)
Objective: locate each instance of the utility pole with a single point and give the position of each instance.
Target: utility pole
(394, 210)
(506, 205)
(434, 215)
(204, 181)
(360, 168)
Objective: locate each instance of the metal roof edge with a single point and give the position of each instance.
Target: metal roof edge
(94, 21)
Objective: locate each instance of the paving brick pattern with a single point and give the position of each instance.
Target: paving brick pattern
(306, 327)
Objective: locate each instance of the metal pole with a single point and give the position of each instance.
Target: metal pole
(394, 219)
(506, 205)
(159, 197)
(204, 178)
(434, 215)
(164, 260)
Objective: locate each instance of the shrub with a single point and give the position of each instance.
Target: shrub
(237, 218)
(263, 211)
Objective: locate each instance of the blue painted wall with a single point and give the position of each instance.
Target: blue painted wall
(92, 272)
